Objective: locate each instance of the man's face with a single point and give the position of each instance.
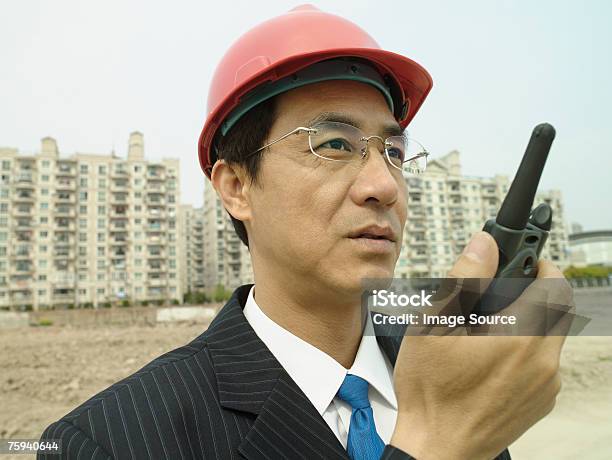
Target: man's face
(310, 216)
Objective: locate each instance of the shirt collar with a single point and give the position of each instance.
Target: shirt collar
(317, 374)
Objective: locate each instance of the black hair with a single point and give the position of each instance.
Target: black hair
(247, 135)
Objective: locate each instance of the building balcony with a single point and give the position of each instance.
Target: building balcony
(23, 295)
(120, 186)
(27, 255)
(153, 238)
(65, 199)
(65, 227)
(119, 241)
(156, 187)
(21, 211)
(63, 255)
(156, 228)
(119, 198)
(65, 184)
(67, 295)
(65, 212)
(21, 269)
(156, 281)
(157, 174)
(118, 226)
(489, 192)
(24, 197)
(24, 236)
(120, 173)
(119, 216)
(158, 268)
(24, 179)
(24, 224)
(65, 170)
(154, 211)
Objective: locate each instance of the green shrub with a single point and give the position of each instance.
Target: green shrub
(45, 322)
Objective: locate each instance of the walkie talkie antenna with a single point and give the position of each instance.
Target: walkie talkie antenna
(515, 209)
(520, 233)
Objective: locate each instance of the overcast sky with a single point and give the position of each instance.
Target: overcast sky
(88, 73)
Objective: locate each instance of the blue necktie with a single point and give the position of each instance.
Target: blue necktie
(364, 443)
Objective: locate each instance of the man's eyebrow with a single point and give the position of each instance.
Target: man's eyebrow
(389, 129)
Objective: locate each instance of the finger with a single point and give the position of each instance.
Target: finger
(479, 258)
(474, 270)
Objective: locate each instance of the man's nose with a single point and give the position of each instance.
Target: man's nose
(375, 180)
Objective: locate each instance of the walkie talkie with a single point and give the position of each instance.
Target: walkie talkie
(520, 232)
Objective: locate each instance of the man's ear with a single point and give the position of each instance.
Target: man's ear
(232, 185)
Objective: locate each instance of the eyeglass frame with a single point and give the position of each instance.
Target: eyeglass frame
(313, 130)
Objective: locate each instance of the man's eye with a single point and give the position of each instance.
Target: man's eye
(336, 144)
(396, 154)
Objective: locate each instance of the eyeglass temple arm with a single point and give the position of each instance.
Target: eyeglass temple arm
(418, 155)
(295, 131)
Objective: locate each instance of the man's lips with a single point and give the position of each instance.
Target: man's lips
(375, 232)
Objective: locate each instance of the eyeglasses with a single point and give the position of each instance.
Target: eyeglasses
(342, 142)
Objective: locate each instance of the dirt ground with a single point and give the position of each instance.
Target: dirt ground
(47, 371)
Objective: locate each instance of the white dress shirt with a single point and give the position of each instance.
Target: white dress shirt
(319, 376)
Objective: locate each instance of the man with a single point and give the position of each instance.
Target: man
(303, 143)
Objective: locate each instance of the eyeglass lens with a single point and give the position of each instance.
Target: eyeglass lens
(343, 142)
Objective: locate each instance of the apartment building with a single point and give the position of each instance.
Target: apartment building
(88, 230)
(191, 228)
(227, 261)
(445, 208)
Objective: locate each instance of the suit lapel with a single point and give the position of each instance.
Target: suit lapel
(250, 379)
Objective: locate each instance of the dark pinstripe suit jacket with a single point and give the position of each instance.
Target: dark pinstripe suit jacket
(223, 395)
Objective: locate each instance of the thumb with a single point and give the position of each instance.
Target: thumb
(479, 258)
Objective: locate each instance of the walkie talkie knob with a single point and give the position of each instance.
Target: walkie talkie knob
(541, 217)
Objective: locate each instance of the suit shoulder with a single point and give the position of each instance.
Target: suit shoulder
(142, 405)
(71, 442)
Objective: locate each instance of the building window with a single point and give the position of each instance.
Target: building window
(100, 291)
(83, 182)
(101, 169)
(82, 223)
(6, 165)
(44, 206)
(83, 169)
(101, 196)
(43, 234)
(83, 209)
(45, 178)
(102, 183)
(82, 196)
(100, 237)
(101, 223)
(44, 220)
(101, 209)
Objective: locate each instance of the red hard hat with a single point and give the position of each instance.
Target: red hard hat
(293, 41)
